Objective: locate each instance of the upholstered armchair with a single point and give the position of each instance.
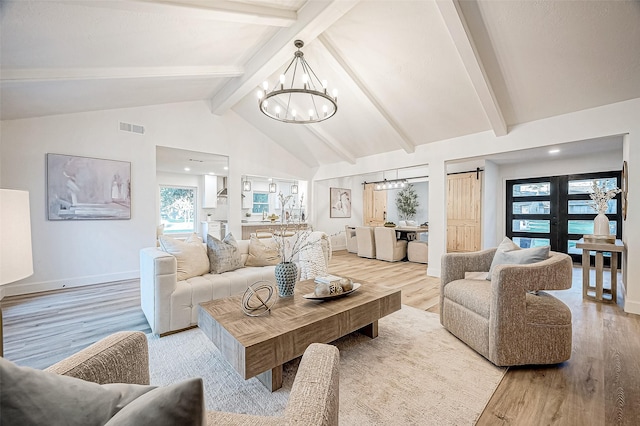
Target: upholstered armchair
(124, 358)
(501, 318)
(387, 246)
(366, 242)
(352, 240)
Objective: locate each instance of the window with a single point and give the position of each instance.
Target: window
(260, 202)
(178, 209)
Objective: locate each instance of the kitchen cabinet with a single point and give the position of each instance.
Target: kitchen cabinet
(210, 189)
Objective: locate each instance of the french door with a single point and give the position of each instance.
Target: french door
(556, 210)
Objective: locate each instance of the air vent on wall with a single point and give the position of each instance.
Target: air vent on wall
(134, 128)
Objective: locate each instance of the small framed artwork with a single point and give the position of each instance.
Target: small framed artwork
(83, 188)
(340, 202)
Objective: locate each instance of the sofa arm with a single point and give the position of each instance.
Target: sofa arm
(120, 358)
(314, 395)
(158, 280)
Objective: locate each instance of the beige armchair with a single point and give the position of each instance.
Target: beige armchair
(387, 246)
(500, 318)
(366, 242)
(352, 240)
(124, 358)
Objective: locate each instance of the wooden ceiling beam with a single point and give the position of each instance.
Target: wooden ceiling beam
(462, 39)
(109, 73)
(313, 18)
(404, 140)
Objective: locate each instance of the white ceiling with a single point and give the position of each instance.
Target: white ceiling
(408, 72)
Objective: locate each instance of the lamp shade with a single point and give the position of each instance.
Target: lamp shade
(16, 260)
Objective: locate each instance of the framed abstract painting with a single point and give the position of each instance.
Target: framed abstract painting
(83, 188)
(340, 202)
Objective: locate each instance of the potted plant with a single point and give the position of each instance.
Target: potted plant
(407, 203)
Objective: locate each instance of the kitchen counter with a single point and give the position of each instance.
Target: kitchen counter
(250, 227)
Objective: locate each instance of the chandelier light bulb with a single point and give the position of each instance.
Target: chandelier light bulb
(310, 114)
(293, 113)
(324, 110)
(265, 104)
(265, 85)
(260, 94)
(335, 94)
(282, 78)
(324, 84)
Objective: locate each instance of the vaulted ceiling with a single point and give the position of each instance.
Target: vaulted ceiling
(408, 72)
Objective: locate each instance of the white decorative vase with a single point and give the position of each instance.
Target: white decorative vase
(601, 225)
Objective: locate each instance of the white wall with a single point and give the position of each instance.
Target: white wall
(615, 119)
(71, 253)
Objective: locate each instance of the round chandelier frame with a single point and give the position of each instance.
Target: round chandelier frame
(309, 102)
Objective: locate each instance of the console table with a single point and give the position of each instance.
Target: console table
(600, 249)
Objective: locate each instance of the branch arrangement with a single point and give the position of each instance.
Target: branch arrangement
(600, 197)
(290, 246)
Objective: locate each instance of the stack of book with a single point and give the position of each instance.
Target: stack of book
(328, 279)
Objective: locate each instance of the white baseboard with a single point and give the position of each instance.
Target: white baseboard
(433, 272)
(37, 287)
(631, 307)
(338, 247)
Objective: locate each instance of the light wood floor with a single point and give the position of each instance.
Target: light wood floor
(599, 385)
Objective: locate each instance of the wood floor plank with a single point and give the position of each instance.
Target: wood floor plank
(599, 385)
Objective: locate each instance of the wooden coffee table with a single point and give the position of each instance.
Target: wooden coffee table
(259, 346)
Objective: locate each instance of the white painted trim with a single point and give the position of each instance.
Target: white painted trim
(405, 141)
(338, 247)
(461, 35)
(17, 289)
(632, 307)
(313, 18)
(219, 10)
(107, 73)
(433, 272)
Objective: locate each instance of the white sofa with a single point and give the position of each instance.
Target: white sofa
(171, 305)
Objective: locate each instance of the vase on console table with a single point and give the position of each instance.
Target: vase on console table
(286, 274)
(601, 225)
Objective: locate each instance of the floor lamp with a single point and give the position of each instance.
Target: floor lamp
(16, 260)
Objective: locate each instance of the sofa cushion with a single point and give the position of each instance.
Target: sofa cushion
(473, 294)
(191, 256)
(35, 397)
(262, 252)
(223, 255)
(508, 253)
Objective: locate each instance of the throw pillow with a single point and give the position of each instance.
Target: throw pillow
(262, 252)
(35, 397)
(178, 404)
(508, 253)
(224, 256)
(191, 255)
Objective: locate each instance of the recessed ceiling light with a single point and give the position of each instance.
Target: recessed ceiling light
(186, 169)
(212, 174)
(226, 168)
(554, 151)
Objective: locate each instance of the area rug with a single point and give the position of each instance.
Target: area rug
(413, 373)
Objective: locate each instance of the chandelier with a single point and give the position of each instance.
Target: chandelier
(300, 96)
